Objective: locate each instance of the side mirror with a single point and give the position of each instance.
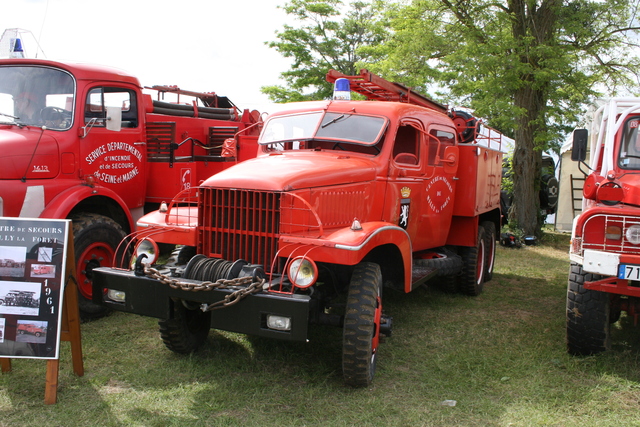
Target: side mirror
(579, 148)
(450, 159)
(114, 119)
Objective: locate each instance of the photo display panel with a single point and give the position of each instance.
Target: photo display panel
(32, 267)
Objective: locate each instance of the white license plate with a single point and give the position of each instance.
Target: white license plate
(629, 272)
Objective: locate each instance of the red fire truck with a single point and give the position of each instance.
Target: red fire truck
(84, 142)
(604, 277)
(28, 328)
(39, 269)
(343, 198)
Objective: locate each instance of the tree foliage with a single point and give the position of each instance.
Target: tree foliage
(329, 37)
(528, 66)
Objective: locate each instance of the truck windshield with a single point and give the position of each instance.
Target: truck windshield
(629, 157)
(320, 130)
(36, 96)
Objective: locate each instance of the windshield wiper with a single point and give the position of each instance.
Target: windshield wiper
(332, 121)
(9, 115)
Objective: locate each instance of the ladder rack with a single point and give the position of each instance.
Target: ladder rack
(376, 88)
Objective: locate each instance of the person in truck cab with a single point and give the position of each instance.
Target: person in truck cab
(26, 108)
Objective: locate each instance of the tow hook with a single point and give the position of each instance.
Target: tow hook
(139, 268)
(386, 323)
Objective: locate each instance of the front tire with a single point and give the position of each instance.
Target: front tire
(361, 332)
(96, 239)
(588, 315)
(187, 330)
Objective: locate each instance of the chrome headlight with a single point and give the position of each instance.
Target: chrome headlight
(633, 234)
(149, 248)
(302, 272)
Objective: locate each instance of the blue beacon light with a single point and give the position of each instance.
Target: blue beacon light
(342, 90)
(16, 48)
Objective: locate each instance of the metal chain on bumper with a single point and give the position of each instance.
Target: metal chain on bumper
(245, 286)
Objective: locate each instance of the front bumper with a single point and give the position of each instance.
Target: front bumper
(607, 264)
(149, 297)
(604, 263)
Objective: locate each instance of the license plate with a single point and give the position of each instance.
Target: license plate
(629, 272)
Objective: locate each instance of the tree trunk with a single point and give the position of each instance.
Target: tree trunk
(532, 27)
(526, 164)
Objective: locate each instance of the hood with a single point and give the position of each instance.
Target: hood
(22, 154)
(295, 170)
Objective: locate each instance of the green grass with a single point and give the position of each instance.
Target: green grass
(501, 356)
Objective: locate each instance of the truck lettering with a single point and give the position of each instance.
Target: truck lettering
(117, 179)
(95, 154)
(439, 191)
(113, 146)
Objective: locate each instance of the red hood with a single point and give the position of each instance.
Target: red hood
(22, 154)
(631, 185)
(295, 170)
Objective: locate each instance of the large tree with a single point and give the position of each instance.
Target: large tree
(329, 36)
(529, 66)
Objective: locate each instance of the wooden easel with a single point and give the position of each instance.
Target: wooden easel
(69, 330)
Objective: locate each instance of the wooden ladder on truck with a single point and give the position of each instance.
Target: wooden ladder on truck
(375, 88)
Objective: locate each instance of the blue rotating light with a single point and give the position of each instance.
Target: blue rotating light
(342, 90)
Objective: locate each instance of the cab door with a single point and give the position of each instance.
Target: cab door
(440, 185)
(115, 158)
(407, 177)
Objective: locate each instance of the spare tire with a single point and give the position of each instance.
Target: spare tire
(465, 125)
(549, 190)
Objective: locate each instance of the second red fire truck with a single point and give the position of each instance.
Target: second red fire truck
(344, 198)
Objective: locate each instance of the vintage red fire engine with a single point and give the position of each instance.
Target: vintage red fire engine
(28, 328)
(85, 143)
(604, 278)
(343, 198)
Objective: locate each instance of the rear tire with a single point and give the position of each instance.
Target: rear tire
(471, 280)
(187, 330)
(588, 315)
(490, 249)
(361, 333)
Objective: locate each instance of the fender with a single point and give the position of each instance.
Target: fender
(354, 245)
(61, 205)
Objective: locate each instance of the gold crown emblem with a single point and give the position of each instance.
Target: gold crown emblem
(405, 192)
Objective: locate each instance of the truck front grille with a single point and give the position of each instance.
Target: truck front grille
(594, 234)
(239, 224)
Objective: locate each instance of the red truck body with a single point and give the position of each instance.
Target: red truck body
(102, 152)
(604, 275)
(42, 269)
(28, 328)
(343, 197)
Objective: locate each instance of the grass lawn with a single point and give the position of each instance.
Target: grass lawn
(501, 356)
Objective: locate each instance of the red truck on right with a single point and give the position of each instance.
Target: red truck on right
(604, 277)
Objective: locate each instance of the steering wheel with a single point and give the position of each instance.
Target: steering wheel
(55, 117)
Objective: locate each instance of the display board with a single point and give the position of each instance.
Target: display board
(32, 267)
